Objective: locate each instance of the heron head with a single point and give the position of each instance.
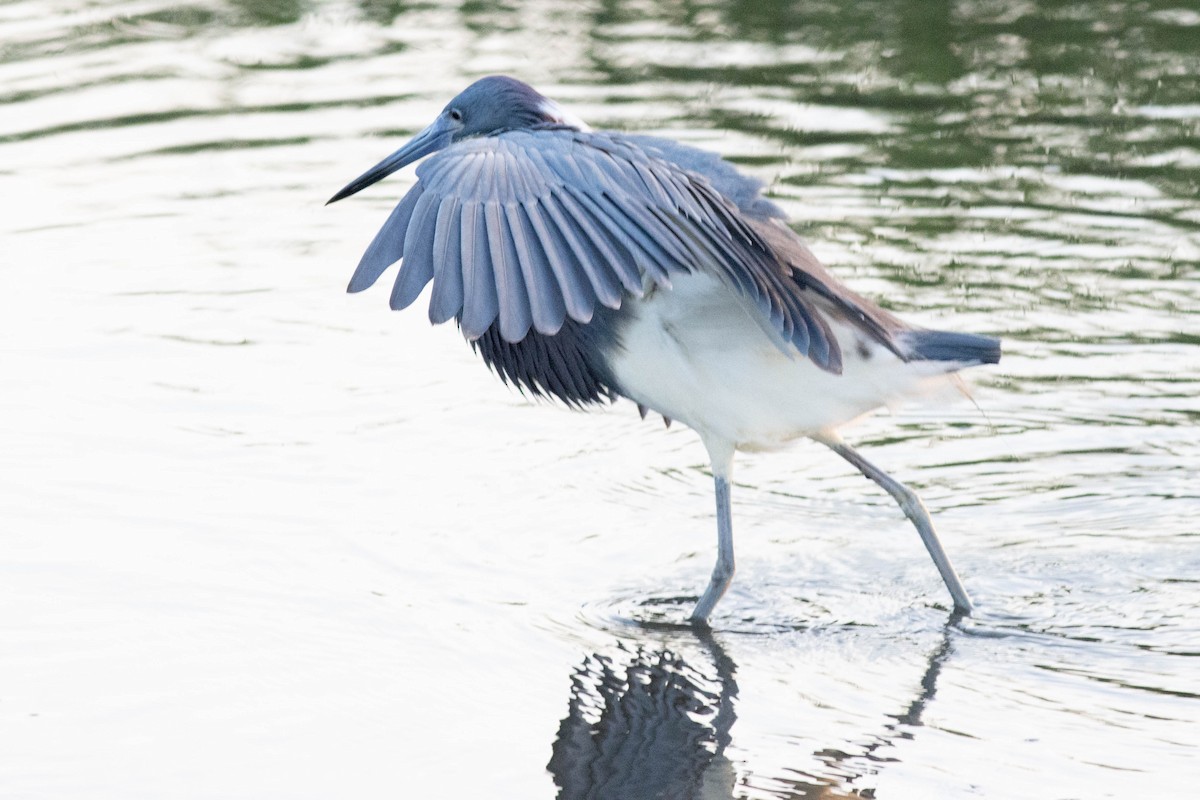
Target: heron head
(489, 105)
(499, 103)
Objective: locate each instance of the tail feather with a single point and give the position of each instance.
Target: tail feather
(967, 348)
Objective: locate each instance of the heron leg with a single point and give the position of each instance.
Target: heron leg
(722, 575)
(915, 510)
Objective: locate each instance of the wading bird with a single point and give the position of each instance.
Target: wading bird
(590, 265)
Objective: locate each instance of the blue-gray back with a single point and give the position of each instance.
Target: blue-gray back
(744, 191)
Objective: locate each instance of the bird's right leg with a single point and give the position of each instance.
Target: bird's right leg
(914, 509)
(721, 454)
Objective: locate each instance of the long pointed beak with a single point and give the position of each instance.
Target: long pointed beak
(434, 138)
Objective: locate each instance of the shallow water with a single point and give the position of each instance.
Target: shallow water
(263, 539)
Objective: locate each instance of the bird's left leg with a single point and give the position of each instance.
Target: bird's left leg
(721, 454)
(915, 510)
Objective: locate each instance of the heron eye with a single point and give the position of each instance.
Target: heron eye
(456, 115)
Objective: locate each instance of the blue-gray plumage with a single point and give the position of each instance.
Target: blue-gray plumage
(587, 265)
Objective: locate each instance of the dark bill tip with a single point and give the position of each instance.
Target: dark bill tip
(434, 138)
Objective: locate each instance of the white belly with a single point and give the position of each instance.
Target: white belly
(696, 355)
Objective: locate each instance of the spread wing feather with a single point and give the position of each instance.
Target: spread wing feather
(577, 293)
(546, 302)
(515, 315)
(388, 245)
(480, 304)
(447, 297)
(585, 257)
(526, 229)
(418, 252)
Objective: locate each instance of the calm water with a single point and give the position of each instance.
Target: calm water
(264, 540)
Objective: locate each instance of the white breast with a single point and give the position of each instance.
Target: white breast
(696, 354)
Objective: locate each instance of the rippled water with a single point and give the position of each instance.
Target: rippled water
(261, 539)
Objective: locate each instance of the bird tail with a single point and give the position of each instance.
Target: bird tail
(964, 348)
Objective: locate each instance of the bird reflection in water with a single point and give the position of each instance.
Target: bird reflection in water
(648, 724)
(656, 728)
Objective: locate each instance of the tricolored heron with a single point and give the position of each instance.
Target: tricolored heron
(590, 265)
